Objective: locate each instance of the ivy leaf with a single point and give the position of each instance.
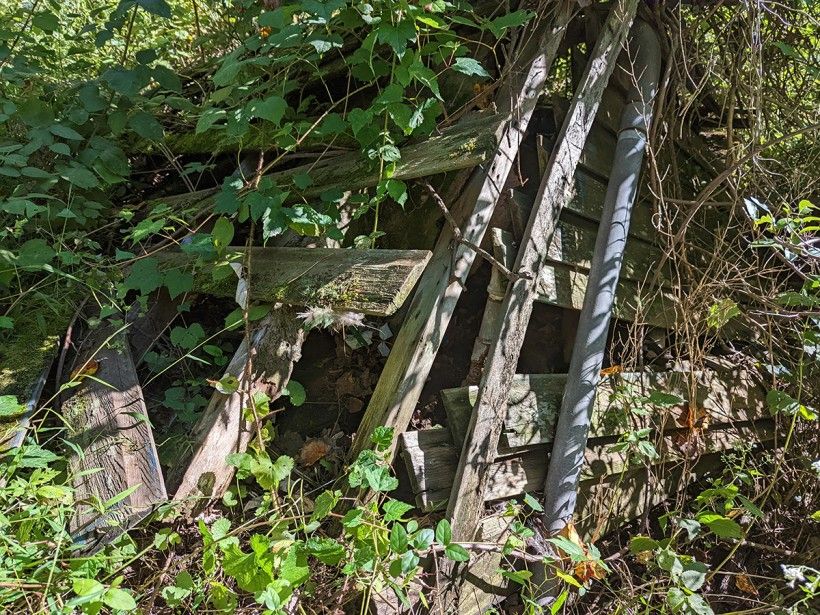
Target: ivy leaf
(156, 7)
(469, 66)
(395, 510)
(35, 112)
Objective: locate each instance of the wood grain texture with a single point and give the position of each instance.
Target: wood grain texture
(462, 146)
(720, 397)
(401, 382)
(466, 501)
(106, 419)
(374, 282)
(146, 326)
(262, 363)
(429, 457)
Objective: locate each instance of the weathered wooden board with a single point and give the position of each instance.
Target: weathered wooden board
(374, 282)
(483, 582)
(466, 501)
(463, 146)
(411, 358)
(430, 457)
(262, 363)
(106, 418)
(534, 400)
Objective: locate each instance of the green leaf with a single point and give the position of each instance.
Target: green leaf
(509, 20)
(187, 338)
(395, 510)
(90, 98)
(469, 66)
(156, 7)
(457, 553)
(444, 533)
(79, 176)
(178, 282)
(533, 503)
(295, 569)
(398, 538)
(35, 253)
(144, 277)
(296, 392)
(659, 398)
(5, 323)
(87, 587)
(326, 550)
(46, 21)
(639, 544)
(209, 118)
(35, 112)
(325, 504)
(272, 109)
(65, 132)
(693, 576)
(222, 233)
(721, 526)
(396, 36)
(119, 599)
(382, 437)
(146, 126)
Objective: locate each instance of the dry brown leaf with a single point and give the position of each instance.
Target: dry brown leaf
(609, 371)
(584, 571)
(89, 368)
(313, 451)
(744, 584)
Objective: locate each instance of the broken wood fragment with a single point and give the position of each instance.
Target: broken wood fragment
(262, 364)
(113, 448)
(418, 341)
(374, 282)
(146, 326)
(466, 501)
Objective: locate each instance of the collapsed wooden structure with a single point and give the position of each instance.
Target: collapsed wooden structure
(499, 433)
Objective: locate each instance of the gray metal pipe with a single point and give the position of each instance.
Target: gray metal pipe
(572, 430)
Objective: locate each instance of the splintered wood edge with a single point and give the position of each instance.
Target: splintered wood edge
(409, 283)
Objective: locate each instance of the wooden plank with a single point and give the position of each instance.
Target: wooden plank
(417, 342)
(467, 498)
(483, 584)
(524, 473)
(465, 145)
(106, 419)
(720, 397)
(263, 364)
(374, 282)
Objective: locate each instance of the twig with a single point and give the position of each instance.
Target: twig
(459, 238)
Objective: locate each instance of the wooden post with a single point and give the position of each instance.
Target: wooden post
(418, 341)
(467, 498)
(261, 364)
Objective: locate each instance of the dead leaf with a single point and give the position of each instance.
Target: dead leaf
(313, 451)
(744, 584)
(89, 368)
(587, 570)
(612, 370)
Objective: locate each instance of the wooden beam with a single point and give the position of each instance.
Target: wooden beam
(462, 146)
(720, 397)
(263, 364)
(374, 282)
(430, 457)
(113, 445)
(466, 502)
(418, 341)
(146, 326)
